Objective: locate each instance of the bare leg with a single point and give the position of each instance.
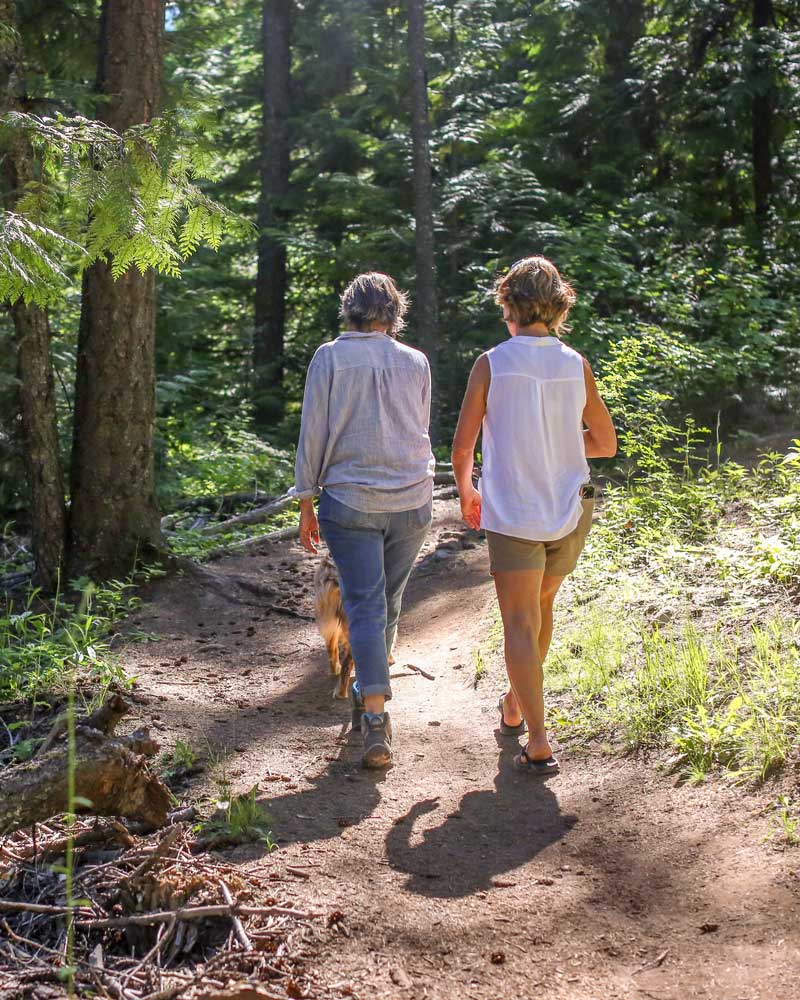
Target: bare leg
(547, 593)
(518, 594)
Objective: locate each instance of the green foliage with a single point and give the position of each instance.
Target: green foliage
(183, 755)
(31, 260)
(128, 198)
(721, 703)
(785, 823)
(777, 548)
(42, 643)
(239, 819)
(232, 460)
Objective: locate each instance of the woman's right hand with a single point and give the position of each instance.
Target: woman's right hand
(471, 508)
(309, 526)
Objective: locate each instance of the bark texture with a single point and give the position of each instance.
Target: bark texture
(114, 517)
(112, 774)
(426, 312)
(37, 399)
(270, 294)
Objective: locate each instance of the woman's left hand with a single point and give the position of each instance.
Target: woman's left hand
(309, 527)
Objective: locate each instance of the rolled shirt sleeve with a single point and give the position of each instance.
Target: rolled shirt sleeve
(313, 439)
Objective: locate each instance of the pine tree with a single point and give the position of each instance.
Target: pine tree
(271, 282)
(114, 518)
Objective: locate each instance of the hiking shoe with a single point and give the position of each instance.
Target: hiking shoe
(356, 706)
(376, 728)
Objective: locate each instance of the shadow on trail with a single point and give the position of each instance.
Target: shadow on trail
(343, 795)
(491, 832)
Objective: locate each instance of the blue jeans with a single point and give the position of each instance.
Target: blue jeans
(374, 554)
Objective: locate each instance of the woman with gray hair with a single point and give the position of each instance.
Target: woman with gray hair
(364, 447)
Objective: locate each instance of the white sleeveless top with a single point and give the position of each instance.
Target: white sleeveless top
(533, 453)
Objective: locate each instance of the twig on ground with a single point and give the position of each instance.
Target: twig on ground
(654, 964)
(189, 913)
(159, 852)
(282, 610)
(238, 926)
(13, 906)
(419, 670)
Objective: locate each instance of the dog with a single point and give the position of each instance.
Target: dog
(333, 626)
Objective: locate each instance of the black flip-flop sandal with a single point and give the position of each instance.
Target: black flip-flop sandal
(542, 768)
(505, 729)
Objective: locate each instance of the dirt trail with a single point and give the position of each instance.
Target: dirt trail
(457, 876)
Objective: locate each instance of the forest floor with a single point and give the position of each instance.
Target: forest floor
(451, 875)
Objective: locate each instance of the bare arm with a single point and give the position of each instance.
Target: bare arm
(473, 410)
(599, 438)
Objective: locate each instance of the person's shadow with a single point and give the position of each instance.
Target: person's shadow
(491, 832)
(343, 795)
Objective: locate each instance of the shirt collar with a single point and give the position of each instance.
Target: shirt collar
(538, 341)
(355, 334)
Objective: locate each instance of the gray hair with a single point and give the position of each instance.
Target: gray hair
(373, 299)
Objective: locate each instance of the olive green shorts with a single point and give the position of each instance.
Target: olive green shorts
(556, 558)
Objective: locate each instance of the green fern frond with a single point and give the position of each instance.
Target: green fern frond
(130, 198)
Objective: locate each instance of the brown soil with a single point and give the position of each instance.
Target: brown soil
(457, 876)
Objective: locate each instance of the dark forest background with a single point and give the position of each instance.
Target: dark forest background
(651, 149)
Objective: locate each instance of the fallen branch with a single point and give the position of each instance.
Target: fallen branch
(283, 610)
(255, 516)
(159, 852)
(15, 906)
(104, 719)
(83, 838)
(445, 493)
(191, 913)
(13, 581)
(238, 926)
(227, 501)
(419, 670)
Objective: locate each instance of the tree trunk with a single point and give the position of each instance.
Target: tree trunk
(762, 87)
(40, 436)
(270, 294)
(114, 517)
(37, 398)
(426, 307)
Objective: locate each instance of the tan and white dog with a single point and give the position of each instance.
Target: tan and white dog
(333, 626)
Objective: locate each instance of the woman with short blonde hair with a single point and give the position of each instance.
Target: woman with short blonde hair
(536, 402)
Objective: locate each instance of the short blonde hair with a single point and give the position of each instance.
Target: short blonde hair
(373, 299)
(532, 291)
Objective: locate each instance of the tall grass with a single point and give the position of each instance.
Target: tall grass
(729, 702)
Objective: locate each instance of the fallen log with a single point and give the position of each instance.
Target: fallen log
(255, 544)
(104, 719)
(110, 773)
(222, 502)
(255, 516)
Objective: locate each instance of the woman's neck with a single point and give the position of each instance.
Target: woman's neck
(534, 330)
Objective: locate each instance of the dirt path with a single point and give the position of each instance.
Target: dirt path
(455, 875)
